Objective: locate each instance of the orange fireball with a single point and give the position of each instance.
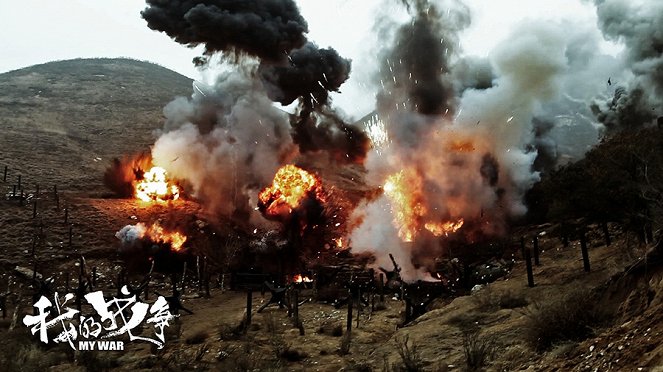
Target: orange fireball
(290, 186)
(155, 186)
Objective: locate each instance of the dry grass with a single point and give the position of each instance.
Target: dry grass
(478, 350)
(411, 360)
(571, 318)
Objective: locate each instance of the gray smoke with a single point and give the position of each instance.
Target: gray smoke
(639, 26)
(227, 141)
(471, 139)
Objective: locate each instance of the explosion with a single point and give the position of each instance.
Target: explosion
(290, 187)
(404, 192)
(155, 233)
(155, 186)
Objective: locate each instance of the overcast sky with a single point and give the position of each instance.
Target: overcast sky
(38, 31)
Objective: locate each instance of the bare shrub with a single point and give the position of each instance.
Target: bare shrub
(197, 338)
(344, 346)
(330, 328)
(478, 350)
(571, 318)
(411, 360)
(512, 300)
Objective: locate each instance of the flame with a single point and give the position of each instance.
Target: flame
(299, 278)
(444, 228)
(156, 233)
(339, 242)
(407, 209)
(404, 192)
(155, 186)
(290, 186)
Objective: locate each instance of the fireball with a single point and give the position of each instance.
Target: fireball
(155, 186)
(291, 185)
(410, 215)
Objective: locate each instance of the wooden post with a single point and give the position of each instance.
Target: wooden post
(20, 200)
(295, 308)
(249, 305)
(37, 192)
(56, 196)
(522, 247)
(198, 272)
(34, 209)
(358, 305)
(381, 287)
(34, 245)
(606, 233)
(4, 178)
(348, 326)
(585, 254)
(536, 250)
(530, 274)
(19, 181)
(14, 191)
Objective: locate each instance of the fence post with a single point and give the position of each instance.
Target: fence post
(530, 274)
(585, 254)
(536, 250)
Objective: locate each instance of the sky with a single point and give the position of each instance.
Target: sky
(39, 31)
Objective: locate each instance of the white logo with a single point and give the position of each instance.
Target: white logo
(114, 318)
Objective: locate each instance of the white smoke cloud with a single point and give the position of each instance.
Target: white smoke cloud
(227, 141)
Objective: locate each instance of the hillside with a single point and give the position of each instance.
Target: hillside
(62, 121)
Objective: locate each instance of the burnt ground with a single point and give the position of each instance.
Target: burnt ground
(60, 127)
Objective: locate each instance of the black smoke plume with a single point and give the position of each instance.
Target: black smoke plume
(267, 29)
(419, 62)
(290, 68)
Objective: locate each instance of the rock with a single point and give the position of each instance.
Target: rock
(26, 273)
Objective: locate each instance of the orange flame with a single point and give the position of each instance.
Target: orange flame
(155, 186)
(404, 192)
(299, 278)
(290, 186)
(444, 228)
(158, 234)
